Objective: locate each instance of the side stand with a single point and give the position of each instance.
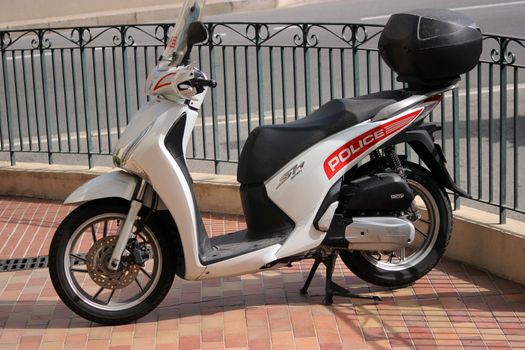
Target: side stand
(332, 288)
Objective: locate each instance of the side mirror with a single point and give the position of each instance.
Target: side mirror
(197, 33)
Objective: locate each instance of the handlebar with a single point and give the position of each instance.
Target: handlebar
(204, 83)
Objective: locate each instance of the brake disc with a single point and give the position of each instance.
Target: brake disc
(97, 261)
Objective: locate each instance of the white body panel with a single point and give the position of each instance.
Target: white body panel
(151, 159)
(165, 176)
(241, 265)
(114, 184)
(309, 187)
(141, 150)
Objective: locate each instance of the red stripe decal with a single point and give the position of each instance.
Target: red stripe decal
(160, 84)
(345, 154)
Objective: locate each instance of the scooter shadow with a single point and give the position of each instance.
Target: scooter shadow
(450, 285)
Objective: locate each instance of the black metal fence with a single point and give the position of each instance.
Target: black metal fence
(67, 94)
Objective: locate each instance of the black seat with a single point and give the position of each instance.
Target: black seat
(269, 148)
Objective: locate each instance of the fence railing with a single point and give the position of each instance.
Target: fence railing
(67, 94)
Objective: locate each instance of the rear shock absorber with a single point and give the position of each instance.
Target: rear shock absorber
(375, 155)
(395, 163)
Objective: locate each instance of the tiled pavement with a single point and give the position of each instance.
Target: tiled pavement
(454, 307)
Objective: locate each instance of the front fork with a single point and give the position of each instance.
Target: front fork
(126, 230)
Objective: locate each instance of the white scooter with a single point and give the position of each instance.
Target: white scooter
(113, 259)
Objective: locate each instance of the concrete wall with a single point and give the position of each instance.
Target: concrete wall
(477, 239)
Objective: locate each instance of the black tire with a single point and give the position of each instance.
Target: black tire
(370, 267)
(71, 289)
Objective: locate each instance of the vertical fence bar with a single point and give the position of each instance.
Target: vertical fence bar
(380, 71)
(516, 148)
(26, 100)
(193, 132)
(343, 73)
(455, 142)
(136, 71)
(75, 103)
(55, 91)
(17, 103)
(503, 142)
(319, 77)
(248, 100)
(368, 73)
(214, 112)
(480, 139)
(45, 97)
(106, 99)
(125, 73)
(66, 105)
(8, 109)
(6, 96)
(272, 84)
(443, 121)
(295, 83)
(237, 112)
(467, 129)
(491, 129)
(356, 71)
(283, 83)
(307, 73)
(203, 117)
(260, 73)
(115, 88)
(97, 113)
(331, 72)
(35, 101)
(87, 112)
(226, 112)
(146, 68)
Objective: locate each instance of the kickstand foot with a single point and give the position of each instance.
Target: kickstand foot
(315, 265)
(335, 289)
(332, 288)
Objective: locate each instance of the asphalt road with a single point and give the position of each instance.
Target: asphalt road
(493, 17)
(499, 17)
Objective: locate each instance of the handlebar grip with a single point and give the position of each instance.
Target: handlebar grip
(205, 83)
(209, 83)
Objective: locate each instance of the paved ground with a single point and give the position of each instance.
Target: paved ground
(454, 307)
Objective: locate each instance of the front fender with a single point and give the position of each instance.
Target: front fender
(113, 184)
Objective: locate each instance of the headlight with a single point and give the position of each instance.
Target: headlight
(122, 154)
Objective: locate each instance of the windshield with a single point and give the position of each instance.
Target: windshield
(178, 43)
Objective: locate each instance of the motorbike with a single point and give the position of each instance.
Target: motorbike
(328, 185)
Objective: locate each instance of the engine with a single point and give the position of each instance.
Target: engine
(376, 194)
(368, 214)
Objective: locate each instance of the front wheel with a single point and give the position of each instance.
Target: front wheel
(406, 265)
(81, 250)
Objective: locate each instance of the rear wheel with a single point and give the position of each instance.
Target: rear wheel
(79, 255)
(406, 265)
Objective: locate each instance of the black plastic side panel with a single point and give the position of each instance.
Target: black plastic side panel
(421, 141)
(173, 142)
(331, 197)
(377, 192)
(263, 218)
(171, 227)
